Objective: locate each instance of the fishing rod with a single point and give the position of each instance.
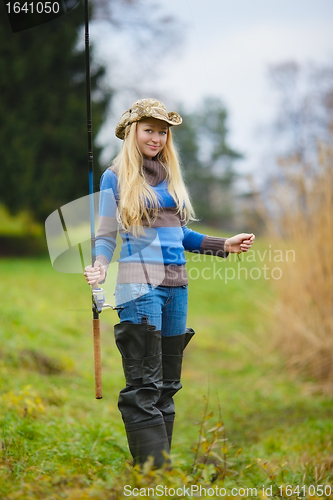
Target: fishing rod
(98, 297)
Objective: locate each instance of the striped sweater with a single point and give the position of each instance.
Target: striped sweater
(157, 257)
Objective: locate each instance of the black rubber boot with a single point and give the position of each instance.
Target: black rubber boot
(172, 358)
(140, 347)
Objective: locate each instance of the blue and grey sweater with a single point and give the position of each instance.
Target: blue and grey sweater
(157, 257)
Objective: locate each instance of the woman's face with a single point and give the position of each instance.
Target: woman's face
(151, 136)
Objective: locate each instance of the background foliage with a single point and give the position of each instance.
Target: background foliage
(208, 162)
(43, 118)
(43, 115)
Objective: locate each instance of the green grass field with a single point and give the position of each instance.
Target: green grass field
(260, 427)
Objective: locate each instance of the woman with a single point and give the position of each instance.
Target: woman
(145, 191)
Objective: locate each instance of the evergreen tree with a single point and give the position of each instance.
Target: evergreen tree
(43, 137)
(208, 162)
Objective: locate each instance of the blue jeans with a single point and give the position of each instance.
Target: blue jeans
(165, 307)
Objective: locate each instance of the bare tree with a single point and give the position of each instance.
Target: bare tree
(304, 108)
(303, 117)
(133, 39)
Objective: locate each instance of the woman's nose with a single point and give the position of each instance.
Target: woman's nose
(155, 137)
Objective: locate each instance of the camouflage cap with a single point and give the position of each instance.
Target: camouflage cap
(146, 108)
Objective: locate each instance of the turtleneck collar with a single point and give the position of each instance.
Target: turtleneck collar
(153, 171)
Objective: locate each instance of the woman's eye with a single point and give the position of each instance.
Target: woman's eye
(148, 130)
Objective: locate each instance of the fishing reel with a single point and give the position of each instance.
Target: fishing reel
(98, 301)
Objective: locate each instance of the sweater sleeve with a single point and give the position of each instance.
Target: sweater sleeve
(204, 244)
(107, 230)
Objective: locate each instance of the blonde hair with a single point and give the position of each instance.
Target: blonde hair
(137, 200)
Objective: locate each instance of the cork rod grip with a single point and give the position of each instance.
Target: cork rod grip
(97, 359)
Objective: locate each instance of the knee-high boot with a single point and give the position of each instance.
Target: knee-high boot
(140, 347)
(172, 358)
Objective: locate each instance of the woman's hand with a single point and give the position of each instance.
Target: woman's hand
(94, 274)
(239, 243)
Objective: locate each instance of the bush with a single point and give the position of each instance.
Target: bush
(302, 217)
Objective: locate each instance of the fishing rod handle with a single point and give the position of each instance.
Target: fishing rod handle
(97, 359)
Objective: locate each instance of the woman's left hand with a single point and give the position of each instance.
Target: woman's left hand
(239, 243)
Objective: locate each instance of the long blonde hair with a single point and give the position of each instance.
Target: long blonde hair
(137, 200)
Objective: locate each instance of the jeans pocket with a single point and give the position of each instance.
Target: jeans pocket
(127, 292)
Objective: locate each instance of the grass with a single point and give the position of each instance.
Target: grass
(252, 424)
(302, 201)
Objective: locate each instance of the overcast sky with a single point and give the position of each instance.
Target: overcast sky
(228, 45)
